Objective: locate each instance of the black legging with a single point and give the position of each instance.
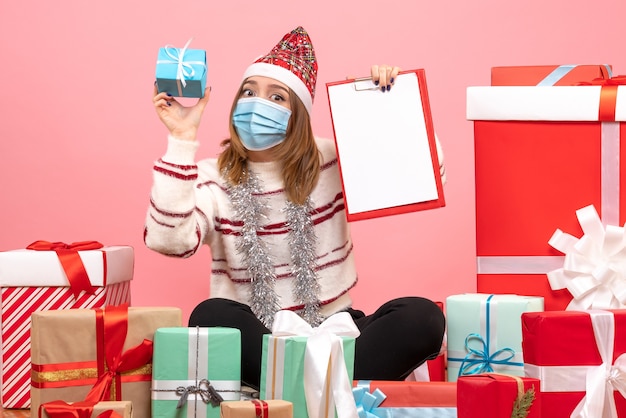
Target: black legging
(394, 340)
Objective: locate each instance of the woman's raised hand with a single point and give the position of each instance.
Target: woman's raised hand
(181, 121)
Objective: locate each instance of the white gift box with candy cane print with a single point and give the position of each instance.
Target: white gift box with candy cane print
(53, 276)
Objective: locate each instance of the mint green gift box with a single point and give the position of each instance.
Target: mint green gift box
(282, 369)
(181, 72)
(186, 361)
(485, 333)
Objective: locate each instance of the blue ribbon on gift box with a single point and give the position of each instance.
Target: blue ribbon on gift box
(367, 405)
(480, 361)
(366, 401)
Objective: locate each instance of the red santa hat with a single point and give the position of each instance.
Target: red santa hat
(292, 62)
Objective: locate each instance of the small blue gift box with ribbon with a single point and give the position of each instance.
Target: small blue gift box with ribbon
(485, 333)
(181, 72)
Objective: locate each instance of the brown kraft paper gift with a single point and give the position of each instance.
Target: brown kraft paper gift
(65, 357)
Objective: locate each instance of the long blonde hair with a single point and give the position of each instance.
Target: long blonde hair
(298, 153)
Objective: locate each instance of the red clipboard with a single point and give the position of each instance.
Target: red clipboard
(386, 146)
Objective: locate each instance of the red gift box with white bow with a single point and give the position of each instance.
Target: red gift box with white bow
(579, 358)
(541, 153)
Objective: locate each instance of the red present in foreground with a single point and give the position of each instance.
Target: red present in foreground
(493, 395)
(579, 358)
(40, 280)
(542, 153)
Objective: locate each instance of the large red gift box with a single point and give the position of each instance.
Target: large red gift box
(501, 392)
(36, 280)
(547, 75)
(542, 153)
(576, 355)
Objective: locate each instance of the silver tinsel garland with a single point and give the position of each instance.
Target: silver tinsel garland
(252, 209)
(302, 244)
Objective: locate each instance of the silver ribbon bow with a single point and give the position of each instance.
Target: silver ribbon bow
(207, 393)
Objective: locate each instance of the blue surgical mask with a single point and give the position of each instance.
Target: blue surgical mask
(260, 123)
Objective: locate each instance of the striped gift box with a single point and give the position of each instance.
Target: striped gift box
(35, 281)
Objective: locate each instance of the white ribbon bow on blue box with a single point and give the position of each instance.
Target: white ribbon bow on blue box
(181, 72)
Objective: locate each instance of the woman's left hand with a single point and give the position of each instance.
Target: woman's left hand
(384, 76)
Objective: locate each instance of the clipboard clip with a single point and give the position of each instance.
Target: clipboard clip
(365, 84)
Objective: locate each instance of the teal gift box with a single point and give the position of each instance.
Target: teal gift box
(189, 366)
(283, 366)
(181, 72)
(485, 333)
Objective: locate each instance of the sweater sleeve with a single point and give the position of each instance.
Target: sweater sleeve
(174, 226)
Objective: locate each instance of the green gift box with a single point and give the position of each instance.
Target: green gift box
(189, 366)
(284, 364)
(485, 333)
(181, 72)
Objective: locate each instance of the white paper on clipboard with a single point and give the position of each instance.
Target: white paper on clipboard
(383, 145)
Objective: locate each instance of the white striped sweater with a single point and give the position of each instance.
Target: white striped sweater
(189, 207)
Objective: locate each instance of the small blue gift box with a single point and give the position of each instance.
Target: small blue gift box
(181, 72)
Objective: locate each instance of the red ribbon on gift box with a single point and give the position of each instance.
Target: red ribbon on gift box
(71, 262)
(608, 95)
(111, 366)
(62, 409)
(111, 329)
(261, 408)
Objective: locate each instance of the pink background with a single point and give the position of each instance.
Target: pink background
(79, 133)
